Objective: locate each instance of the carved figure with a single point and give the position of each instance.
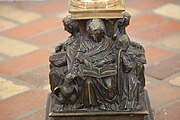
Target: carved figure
(62, 60)
(96, 66)
(95, 70)
(67, 93)
(134, 80)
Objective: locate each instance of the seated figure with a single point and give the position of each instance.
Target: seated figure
(97, 68)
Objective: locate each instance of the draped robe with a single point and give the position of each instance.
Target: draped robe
(99, 84)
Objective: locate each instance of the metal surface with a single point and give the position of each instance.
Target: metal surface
(145, 114)
(89, 9)
(98, 72)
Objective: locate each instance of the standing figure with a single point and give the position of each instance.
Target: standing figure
(73, 42)
(120, 31)
(61, 61)
(122, 43)
(134, 81)
(63, 85)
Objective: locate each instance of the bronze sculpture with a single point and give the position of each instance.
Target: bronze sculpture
(98, 69)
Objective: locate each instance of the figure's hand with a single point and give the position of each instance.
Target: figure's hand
(101, 63)
(69, 77)
(87, 63)
(128, 68)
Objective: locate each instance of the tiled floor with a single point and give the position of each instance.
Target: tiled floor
(30, 30)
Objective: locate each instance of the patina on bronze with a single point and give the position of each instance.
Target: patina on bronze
(98, 73)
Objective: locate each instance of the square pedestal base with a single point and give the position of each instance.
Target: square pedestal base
(145, 114)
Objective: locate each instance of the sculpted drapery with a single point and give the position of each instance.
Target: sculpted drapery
(97, 71)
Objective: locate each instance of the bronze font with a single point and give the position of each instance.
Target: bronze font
(98, 70)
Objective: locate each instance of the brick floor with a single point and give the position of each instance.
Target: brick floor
(52, 7)
(154, 54)
(172, 42)
(160, 31)
(28, 30)
(49, 38)
(5, 25)
(36, 116)
(170, 112)
(25, 62)
(10, 108)
(18, 15)
(38, 77)
(9, 88)
(162, 94)
(164, 69)
(170, 10)
(148, 20)
(146, 4)
(175, 81)
(17, 48)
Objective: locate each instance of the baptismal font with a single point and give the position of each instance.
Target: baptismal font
(98, 73)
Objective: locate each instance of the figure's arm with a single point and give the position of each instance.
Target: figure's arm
(83, 59)
(62, 46)
(127, 64)
(109, 59)
(58, 59)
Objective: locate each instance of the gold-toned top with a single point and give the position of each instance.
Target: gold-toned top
(87, 9)
(95, 4)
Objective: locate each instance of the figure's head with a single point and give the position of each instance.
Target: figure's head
(95, 28)
(126, 18)
(70, 25)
